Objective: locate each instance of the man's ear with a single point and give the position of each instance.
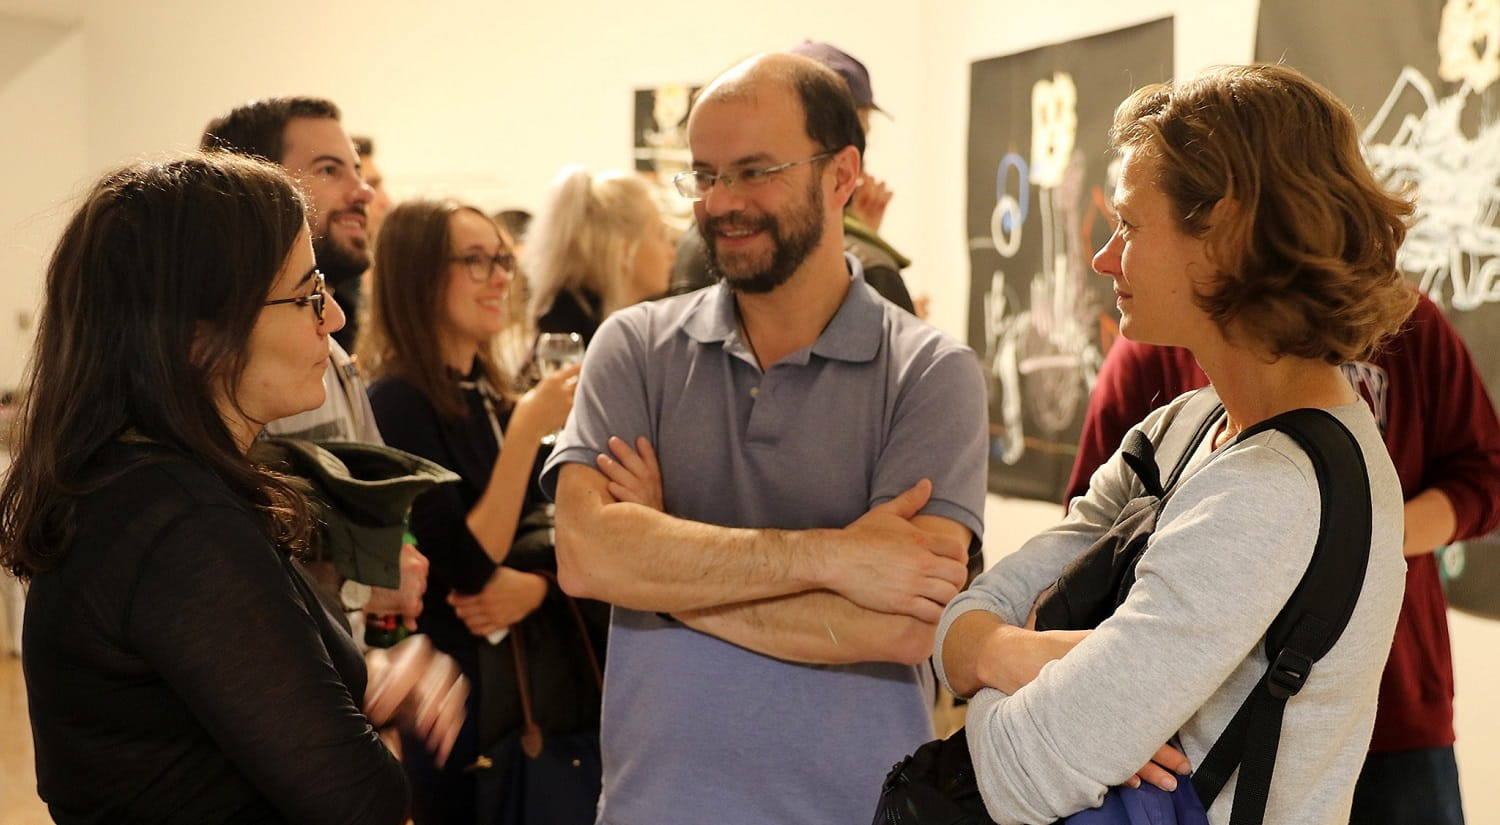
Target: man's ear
(846, 168)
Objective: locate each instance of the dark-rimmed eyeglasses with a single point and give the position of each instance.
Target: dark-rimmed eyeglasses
(315, 299)
(695, 185)
(481, 268)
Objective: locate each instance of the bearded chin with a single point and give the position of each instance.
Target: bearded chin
(790, 249)
(339, 264)
(757, 281)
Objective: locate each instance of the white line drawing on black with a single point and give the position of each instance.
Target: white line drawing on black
(1043, 357)
(1452, 247)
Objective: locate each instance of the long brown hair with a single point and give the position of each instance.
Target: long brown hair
(150, 299)
(407, 305)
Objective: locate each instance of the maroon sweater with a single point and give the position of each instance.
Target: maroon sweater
(1441, 431)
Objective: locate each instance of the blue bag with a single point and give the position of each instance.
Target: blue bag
(1146, 805)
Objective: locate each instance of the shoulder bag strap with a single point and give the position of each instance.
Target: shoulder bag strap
(583, 628)
(531, 732)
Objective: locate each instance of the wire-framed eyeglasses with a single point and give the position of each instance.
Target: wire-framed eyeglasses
(695, 185)
(315, 299)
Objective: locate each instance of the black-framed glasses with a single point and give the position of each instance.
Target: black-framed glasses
(695, 185)
(482, 267)
(315, 299)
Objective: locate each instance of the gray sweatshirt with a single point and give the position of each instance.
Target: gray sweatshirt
(1184, 650)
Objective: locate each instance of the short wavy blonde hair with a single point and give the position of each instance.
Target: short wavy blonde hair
(1306, 248)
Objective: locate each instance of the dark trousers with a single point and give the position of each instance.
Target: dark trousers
(446, 795)
(1417, 787)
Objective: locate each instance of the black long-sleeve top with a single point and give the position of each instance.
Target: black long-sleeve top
(180, 669)
(458, 562)
(571, 311)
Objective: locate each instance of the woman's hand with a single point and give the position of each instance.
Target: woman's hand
(407, 600)
(1165, 766)
(415, 686)
(634, 475)
(507, 598)
(869, 201)
(544, 408)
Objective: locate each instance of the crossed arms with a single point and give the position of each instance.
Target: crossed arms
(870, 591)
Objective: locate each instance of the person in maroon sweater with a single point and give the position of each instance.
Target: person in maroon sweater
(1441, 430)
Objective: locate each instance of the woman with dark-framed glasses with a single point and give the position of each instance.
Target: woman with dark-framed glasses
(439, 303)
(179, 666)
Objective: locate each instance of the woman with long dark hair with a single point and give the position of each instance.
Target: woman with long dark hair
(179, 666)
(439, 302)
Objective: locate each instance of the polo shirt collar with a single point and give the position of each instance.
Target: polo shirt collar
(853, 335)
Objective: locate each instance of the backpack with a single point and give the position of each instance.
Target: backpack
(936, 785)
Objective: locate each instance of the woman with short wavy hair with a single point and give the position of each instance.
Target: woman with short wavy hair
(1251, 233)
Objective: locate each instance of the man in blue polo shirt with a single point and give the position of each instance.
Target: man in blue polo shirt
(822, 472)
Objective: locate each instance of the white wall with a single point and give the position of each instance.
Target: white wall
(41, 164)
(487, 98)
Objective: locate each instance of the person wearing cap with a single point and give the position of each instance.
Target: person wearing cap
(862, 217)
(867, 207)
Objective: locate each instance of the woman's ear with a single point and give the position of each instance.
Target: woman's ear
(1226, 235)
(198, 350)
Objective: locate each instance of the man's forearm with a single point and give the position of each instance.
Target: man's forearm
(640, 558)
(889, 560)
(816, 627)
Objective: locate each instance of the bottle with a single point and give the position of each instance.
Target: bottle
(386, 629)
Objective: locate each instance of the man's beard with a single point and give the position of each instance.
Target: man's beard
(340, 263)
(804, 229)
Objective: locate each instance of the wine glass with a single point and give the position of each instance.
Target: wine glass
(554, 351)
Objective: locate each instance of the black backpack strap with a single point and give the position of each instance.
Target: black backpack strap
(1139, 452)
(1313, 618)
(1140, 455)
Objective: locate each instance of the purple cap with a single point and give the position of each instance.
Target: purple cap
(853, 71)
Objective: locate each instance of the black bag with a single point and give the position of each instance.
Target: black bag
(937, 785)
(546, 770)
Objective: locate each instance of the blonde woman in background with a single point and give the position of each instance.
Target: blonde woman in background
(598, 244)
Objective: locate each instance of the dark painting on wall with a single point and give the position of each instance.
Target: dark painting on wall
(661, 148)
(1421, 78)
(1040, 181)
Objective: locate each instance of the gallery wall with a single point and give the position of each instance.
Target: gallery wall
(488, 99)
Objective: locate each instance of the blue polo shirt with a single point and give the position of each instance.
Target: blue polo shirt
(696, 730)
